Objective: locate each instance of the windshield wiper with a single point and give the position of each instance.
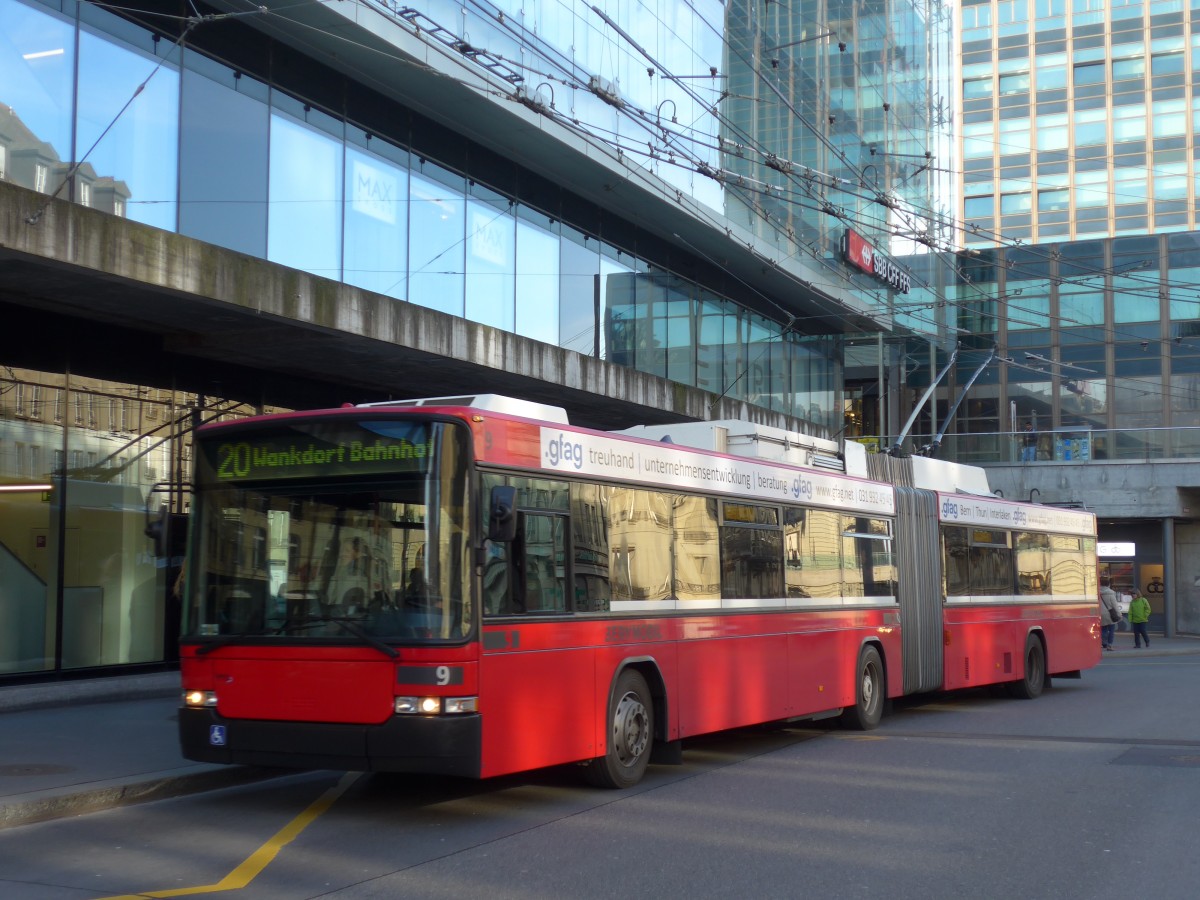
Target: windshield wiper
(358, 631)
(347, 623)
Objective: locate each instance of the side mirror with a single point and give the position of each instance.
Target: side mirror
(502, 519)
(156, 529)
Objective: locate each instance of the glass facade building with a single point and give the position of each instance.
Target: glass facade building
(770, 128)
(1099, 337)
(1079, 209)
(1078, 118)
(1078, 206)
(249, 163)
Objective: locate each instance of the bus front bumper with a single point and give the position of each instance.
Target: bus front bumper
(435, 745)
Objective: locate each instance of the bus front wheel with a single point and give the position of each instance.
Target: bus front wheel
(869, 693)
(630, 735)
(1030, 687)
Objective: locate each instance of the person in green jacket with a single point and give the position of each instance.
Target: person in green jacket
(1139, 615)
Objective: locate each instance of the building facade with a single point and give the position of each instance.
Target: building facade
(637, 210)
(1079, 215)
(1077, 119)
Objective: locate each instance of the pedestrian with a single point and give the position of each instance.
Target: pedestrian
(1139, 615)
(1110, 612)
(1029, 440)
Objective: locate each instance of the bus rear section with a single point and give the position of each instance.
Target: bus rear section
(991, 591)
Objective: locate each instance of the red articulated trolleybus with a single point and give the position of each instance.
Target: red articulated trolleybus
(471, 586)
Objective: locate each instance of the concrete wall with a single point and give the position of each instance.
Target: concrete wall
(1152, 492)
(1110, 489)
(203, 302)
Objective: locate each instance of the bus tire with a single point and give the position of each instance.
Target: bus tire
(630, 735)
(1031, 686)
(869, 693)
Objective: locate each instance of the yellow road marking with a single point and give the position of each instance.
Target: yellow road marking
(260, 858)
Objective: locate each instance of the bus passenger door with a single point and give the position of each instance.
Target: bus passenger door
(537, 678)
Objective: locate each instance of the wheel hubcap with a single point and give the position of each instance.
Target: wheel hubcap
(631, 729)
(868, 689)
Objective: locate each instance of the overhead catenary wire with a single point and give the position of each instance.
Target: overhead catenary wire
(846, 281)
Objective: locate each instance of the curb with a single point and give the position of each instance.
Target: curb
(17, 698)
(42, 806)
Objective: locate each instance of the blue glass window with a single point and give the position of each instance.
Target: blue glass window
(376, 230)
(980, 207)
(1016, 83)
(1169, 118)
(1168, 64)
(1011, 204)
(1089, 73)
(579, 272)
(223, 158)
(37, 65)
(1052, 78)
(133, 169)
(436, 236)
(537, 279)
(1090, 128)
(491, 260)
(1050, 201)
(1081, 303)
(1123, 69)
(974, 88)
(304, 229)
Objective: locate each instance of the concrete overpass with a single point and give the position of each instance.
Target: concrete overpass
(125, 301)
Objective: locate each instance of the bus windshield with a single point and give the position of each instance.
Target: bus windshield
(346, 550)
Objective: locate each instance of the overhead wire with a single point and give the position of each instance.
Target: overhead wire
(840, 276)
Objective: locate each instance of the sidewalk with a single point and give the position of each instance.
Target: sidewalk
(76, 747)
(1159, 645)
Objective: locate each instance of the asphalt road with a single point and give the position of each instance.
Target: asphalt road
(1090, 791)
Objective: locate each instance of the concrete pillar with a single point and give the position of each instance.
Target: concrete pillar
(1172, 589)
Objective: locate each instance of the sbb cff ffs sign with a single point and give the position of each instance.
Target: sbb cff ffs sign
(860, 254)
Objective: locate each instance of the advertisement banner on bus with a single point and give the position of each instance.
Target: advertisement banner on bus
(964, 510)
(665, 465)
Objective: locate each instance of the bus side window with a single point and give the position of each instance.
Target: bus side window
(545, 563)
(496, 580)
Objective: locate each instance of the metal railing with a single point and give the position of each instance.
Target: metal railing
(1060, 445)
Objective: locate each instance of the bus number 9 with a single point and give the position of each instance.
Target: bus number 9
(443, 674)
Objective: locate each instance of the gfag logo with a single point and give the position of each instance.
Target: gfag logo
(949, 509)
(802, 488)
(1020, 517)
(561, 452)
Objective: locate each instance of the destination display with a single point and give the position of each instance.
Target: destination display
(664, 465)
(322, 450)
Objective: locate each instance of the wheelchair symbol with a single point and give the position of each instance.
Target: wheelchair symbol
(216, 735)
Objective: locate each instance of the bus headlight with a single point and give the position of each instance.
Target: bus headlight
(199, 698)
(432, 706)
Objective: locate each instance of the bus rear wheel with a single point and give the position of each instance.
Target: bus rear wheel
(1031, 686)
(869, 693)
(630, 735)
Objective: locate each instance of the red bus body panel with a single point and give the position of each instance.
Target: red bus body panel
(353, 685)
(985, 644)
(544, 689)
